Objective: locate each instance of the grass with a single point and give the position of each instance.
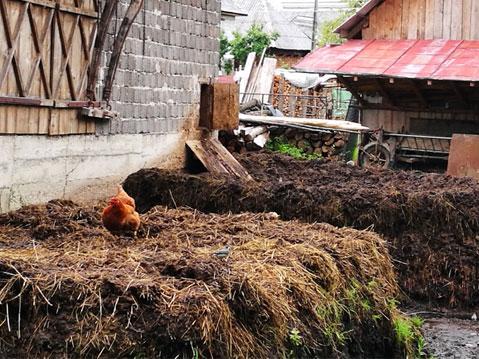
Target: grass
(279, 144)
(408, 333)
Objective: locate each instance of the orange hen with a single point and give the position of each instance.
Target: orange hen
(124, 197)
(120, 217)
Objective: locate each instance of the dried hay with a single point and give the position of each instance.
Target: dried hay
(70, 288)
(431, 221)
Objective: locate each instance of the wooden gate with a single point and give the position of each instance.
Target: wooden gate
(45, 53)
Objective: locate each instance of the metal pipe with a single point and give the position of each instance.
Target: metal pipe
(315, 24)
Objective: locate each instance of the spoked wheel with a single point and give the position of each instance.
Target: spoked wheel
(375, 155)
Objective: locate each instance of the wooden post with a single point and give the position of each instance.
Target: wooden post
(105, 20)
(219, 106)
(131, 13)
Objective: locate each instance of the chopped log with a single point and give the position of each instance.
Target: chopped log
(298, 136)
(330, 142)
(317, 144)
(261, 140)
(255, 132)
(290, 133)
(339, 144)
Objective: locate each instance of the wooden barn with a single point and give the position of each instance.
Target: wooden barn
(413, 68)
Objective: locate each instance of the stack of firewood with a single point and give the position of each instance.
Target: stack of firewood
(324, 144)
(296, 102)
(245, 138)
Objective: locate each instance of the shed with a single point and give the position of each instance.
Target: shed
(413, 71)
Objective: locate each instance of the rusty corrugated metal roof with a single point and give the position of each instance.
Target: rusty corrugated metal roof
(453, 60)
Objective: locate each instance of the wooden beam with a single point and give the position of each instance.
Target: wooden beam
(100, 40)
(131, 14)
(352, 88)
(355, 30)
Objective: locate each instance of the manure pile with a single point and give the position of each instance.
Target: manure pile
(430, 221)
(68, 288)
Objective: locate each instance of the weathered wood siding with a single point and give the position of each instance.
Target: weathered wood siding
(424, 19)
(46, 47)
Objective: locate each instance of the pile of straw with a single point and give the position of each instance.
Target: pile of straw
(70, 288)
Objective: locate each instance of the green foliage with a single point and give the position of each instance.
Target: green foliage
(279, 144)
(224, 45)
(255, 40)
(326, 34)
(408, 335)
(295, 337)
(224, 49)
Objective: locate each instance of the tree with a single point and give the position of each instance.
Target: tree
(255, 40)
(326, 34)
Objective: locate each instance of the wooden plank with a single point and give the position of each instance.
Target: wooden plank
(247, 73)
(447, 18)
(313, 122)
(267, 76)
(43, 120)
(421, 19)
(3, 119)
(457, 23)
(475, 20)
(429, 24)
(11, 119)
(413, 20)
(394, 8)
(438, 14)
(405, 19)
(63, 7)
(217, 159)
(466, 19)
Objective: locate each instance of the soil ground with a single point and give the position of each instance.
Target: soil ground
(452, 338)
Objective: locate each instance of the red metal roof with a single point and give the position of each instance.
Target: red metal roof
(415, 59)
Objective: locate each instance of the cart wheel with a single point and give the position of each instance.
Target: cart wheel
(376, 155)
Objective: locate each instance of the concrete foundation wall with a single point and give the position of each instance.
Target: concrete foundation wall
(35, 169)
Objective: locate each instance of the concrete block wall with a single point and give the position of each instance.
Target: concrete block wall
(172, 45)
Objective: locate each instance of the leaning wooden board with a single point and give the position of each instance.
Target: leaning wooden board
(217, 159)
(323, 123)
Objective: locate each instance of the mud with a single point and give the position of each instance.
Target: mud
(430, 221)
(452, 338)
